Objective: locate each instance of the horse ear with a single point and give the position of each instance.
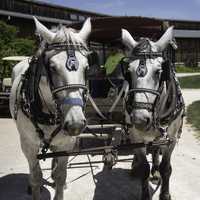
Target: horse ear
(166, 39)
(86, 30)
(43, 31)
(128, 40)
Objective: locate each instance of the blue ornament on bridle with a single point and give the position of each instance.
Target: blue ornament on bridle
(72, 63)
(142, 68)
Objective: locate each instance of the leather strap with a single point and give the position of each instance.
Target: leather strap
(72, 101)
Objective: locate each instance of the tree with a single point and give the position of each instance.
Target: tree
(11, 45)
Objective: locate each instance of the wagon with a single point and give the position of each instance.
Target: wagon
(106, 133)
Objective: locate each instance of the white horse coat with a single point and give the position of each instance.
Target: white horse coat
(71, 114)
(145, 68)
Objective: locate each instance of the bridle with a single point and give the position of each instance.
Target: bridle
(130, 103)
(31, 100)
(30, 97)
(72, 64)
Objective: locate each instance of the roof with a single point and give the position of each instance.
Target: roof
(64, 7)
(187, 33)
(29, 16)
(108, 29)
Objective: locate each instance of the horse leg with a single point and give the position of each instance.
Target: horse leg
(35, 176)
(155, 165)
(165, 171)
(141, 169)
(59, 175)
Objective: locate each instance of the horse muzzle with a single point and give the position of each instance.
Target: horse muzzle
(74, 128)
(141, 122)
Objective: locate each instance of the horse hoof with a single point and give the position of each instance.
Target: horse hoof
(156, 178)
(165, 197)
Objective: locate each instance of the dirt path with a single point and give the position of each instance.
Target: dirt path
(115, 185)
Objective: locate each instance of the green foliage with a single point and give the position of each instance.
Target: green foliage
(11, 45)
(7, 33)
(23, 46)
(190, 82)
(193, 116)
(112, 62)
(182, 69)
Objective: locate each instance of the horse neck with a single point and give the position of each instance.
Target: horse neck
(45, 94)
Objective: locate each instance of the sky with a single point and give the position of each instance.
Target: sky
(168, 9)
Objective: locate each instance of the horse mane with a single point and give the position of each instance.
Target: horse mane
(144, 46)
(69, 35)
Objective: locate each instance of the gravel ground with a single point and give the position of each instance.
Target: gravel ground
(114, 185)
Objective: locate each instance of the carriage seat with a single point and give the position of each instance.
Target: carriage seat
(104, 90)
(100, 83)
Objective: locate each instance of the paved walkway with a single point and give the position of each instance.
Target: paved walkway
(187, 74)
(115, 185)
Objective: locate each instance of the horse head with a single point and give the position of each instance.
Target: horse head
(65, 59)
(144, 63)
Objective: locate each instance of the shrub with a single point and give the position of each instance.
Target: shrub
(11, 45)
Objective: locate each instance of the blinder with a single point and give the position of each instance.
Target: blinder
(91, 58)
(124, 64)
(165, 76)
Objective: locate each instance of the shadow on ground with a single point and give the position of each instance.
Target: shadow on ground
(14, 187)
(117, 184)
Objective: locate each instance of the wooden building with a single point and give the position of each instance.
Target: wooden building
(187, 34)
(20, 12)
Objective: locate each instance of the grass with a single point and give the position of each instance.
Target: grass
(182, 69)
(190, 82)
(193, 116)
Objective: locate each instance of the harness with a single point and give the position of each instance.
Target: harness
(143, 52)
(31, 102)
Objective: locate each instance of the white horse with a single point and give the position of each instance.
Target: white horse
(148, 94)
(61, 91)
